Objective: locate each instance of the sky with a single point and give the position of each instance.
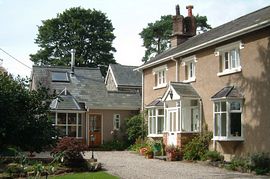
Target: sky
(19, 21)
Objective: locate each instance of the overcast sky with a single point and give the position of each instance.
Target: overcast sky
(19, 20)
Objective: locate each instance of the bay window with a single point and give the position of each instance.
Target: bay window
(68, 124)
(227, 120)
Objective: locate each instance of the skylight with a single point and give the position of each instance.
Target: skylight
(60, 77)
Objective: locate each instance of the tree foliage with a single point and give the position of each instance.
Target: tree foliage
(87, 31)
(23, 116)
(156, 36)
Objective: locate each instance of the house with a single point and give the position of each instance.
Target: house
(123, 78)
(84, 108)
(216, 81)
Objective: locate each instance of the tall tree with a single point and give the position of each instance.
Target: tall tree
(156, 36)
(87, 31)
(23, 116)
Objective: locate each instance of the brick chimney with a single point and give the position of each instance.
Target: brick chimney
(190, 22)
(178, 28)
(183, 28)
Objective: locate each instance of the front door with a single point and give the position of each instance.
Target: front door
(94, 129)
(172, 126)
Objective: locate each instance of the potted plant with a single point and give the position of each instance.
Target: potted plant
(173, 153)
(149, 153)
(143, 150)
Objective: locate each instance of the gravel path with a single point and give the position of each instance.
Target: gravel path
(128, 165)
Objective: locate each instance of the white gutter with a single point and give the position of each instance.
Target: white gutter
(209, 43)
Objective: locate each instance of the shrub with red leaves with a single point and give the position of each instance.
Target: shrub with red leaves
(72, 150)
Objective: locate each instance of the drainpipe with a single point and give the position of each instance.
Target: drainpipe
(177, 69)
(201, 127)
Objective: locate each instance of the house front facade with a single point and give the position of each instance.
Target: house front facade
(84, 108)
(216, 81)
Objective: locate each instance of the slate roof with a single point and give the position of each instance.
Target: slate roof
(157, 102)
(228, 92)
(184, 90)
(87, 86)
(125, 76)
(261, 17)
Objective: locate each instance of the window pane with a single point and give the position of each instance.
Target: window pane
(72, 118)
(223, 106)
(223, 124)
(61, 118)
(191, 70)
(217, 106)
(161, 112)
(60, 77)
(235, 105)
(235, 124)
(193, 102)
(233, 58)
(62, 130)
(72, 131)
(52, 117)
(79, 131)
(226, 60)
(216, 130)
(160, 125)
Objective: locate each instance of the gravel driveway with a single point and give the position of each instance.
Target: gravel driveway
(128, 165)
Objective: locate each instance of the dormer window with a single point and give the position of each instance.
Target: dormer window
(60, 76)
(229, 58)
(160, 76)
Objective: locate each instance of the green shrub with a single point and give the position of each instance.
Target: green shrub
(139, 143)
(72, 150)
(197, 147)
(213, 156)
(114, 145)
(239, 164)
(260, 163)
(135, 128)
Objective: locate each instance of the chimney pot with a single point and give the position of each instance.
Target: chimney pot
(177, 8)
(189, 7)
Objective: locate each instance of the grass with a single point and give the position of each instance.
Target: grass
(86, 175)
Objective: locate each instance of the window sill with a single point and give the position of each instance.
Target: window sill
(189, 80)
(155, 135)
(228, 139)
(160, 86)
(231, 71)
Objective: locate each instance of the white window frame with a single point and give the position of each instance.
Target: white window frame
(66, 125)
(161, 74)
(228, 112)
(190, 63)
(116, 120)
(227, 51)
(153, 115)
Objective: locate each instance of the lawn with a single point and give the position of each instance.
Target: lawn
(88, 175)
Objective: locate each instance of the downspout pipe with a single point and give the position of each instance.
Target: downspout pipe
(177, 69)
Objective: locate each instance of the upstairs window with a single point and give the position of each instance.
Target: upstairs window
(160, 76)
(189, 64)
(60, 77)
(229, 58)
